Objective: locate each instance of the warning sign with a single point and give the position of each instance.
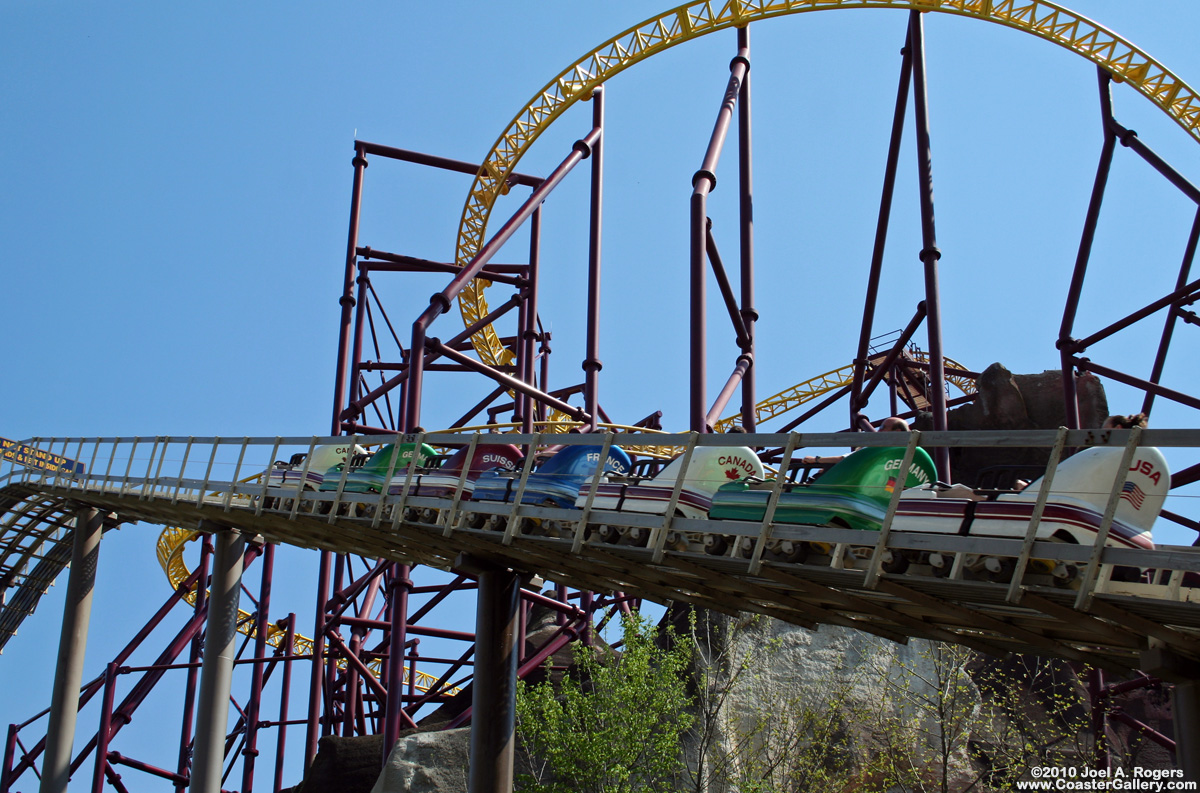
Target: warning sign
(32, 457)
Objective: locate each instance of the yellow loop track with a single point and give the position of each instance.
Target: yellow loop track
(170, 555)
(1126, 62)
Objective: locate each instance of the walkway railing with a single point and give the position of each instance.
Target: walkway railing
(227, 475)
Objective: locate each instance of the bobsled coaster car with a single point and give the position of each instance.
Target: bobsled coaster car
(709, 469)
(555, 482)
(371, 477)
(443, 482)
(854, 493)
(1074, 508)
(292, 473)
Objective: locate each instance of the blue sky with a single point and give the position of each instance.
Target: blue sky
(176, 185)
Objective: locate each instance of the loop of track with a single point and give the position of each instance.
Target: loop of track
(1125, 61)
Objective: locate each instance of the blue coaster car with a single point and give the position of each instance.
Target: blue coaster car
(557, 481)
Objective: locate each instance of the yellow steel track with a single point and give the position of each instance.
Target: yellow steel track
(1126, 62)
(812, 388)
(170, 549)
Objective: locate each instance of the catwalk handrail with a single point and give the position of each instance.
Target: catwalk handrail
(180, 480)
(219, 471)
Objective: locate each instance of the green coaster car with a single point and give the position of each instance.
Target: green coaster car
(853, 494)
(372, 477)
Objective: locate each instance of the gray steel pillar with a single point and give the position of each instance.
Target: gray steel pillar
(64, 703)
(1185, 701)
(216, 671)
(494, 688)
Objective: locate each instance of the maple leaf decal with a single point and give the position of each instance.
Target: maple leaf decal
(733, 473)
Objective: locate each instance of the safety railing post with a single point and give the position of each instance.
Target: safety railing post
(212, 458)
(129, 465)
(581, 529)
(92, 464)
(337, 497)
(658, 540)
(1035, 520)
(377, 517)
(450, 515)
(187, 450)
(1089, 582)
(872, 575)
(266, 477)
(162, 459)
(510, 530)
(772, 503)
(303, 479)
(142, 494)
(111, 459)
(399, 506)
(237, 472)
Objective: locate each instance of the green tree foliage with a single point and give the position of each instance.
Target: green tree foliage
(613, 725)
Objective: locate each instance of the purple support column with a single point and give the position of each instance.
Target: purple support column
(346, 301)
(358, 634)
(316, 688)
(360, 307)
(1085, 251)
(104, 734)
(68, 675)
(529, 329)
(524, 366)
(703, 183)
(544, 351)
(193, 673)
(881, 230)
(929, 251)
(10, 754)
(401, 584)
(592, 364)
(261, 626)
(285, 692)
(746, 226)
(1160, 358)
(330, 723)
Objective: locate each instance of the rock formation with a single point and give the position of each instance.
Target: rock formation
(1017, 402)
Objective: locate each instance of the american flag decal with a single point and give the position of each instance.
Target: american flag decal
(1133, 494)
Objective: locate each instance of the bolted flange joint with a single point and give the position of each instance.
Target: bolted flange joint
(704, 173)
